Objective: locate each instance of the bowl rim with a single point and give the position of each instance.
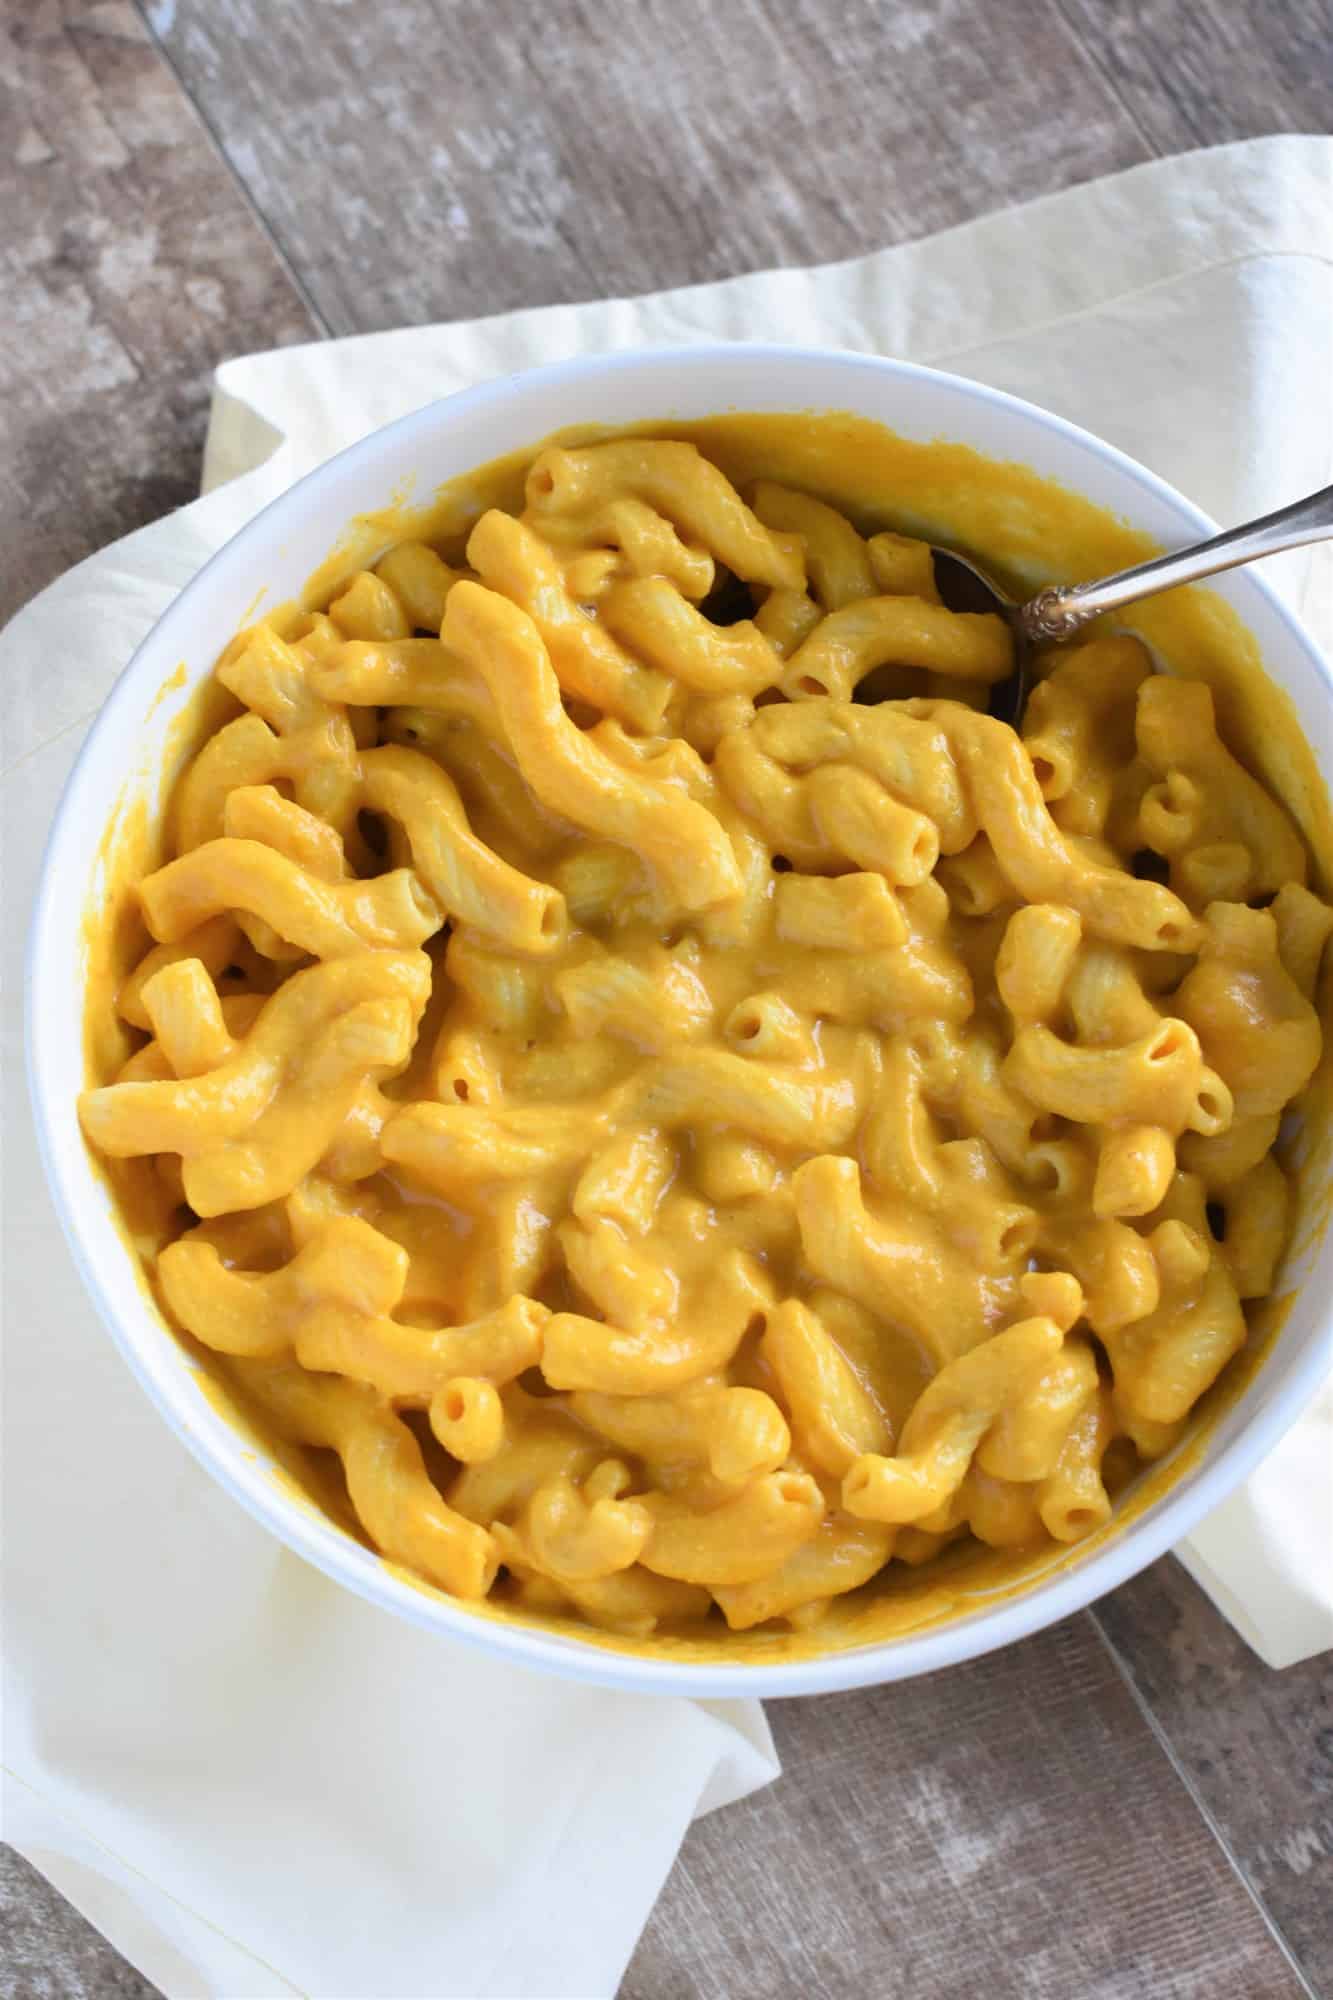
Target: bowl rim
(145, 1341)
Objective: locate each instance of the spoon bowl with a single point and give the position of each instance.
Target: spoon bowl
(964, 587)
(1058, 613)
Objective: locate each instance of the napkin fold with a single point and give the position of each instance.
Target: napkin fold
(252, 1782)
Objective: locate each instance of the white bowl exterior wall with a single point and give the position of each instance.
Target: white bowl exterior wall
(276, 553)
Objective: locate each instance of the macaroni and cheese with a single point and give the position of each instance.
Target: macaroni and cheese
(691, 1110)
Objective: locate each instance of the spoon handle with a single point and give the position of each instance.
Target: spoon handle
(1057, 614)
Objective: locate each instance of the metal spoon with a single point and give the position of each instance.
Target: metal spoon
(1059, 613)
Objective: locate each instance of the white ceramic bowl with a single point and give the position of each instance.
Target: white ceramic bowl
(283, 546)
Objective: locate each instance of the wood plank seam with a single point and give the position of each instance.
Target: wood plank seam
(214, 138)
(1091, 56)
(1201, 1805)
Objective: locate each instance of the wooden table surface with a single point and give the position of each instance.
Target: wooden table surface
(1129, 1807)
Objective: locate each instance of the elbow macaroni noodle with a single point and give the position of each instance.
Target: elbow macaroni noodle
(682, 1137)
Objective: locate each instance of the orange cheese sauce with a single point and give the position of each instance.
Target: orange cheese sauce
(1027, 532)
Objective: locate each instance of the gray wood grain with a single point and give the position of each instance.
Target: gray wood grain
(1255, 1747)
(439, 160)
(1202, 72)
(1009, 1828)
(48, 1952)
(131, 264)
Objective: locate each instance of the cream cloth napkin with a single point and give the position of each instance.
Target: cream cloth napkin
(252, 1782)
